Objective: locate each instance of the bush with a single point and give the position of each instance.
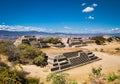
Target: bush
(2, 64)
(117, 38)
(23, 53)
(101, 50)
(117, 48)
(30, 54)
(72, 82)
(111, 77)
(8, 76)
(52, 40)
(57, 78)
(39, 61)
(32, 81)
(96, 71)
(99, 40)
(109, 39)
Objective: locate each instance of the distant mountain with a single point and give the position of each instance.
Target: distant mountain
(20, 33)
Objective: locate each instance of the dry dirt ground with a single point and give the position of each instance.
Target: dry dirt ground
(107, 48)
(80, 74)
(109, 63)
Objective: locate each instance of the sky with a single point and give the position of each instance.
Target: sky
(67, 16)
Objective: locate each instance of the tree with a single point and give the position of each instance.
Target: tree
(110, 39)
(55, 40)
(96, 76)
(9, 77)
(111, 77)
(99, 40)
(39, 61)
(96, 71)
(48, 39)
(57, 78)
(30, 54)
(52, 40)
(10, 50)
(6, 47)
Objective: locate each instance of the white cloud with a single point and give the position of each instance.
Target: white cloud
(116, 30)
(91, 17)
(66, 27)
(94, 5)
(88, 9)
(83, 4)
(21, 28)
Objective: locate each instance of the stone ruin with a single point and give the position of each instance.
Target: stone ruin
(73, 42)
(31, 40)
(69, 60)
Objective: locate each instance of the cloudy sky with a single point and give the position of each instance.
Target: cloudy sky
(68, 16)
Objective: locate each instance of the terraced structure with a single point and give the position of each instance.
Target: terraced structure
(69, 60)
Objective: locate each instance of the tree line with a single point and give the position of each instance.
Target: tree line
(23, 53)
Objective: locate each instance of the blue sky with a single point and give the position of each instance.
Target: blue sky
(68, 16)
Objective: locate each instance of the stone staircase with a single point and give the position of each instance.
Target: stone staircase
(71, 61)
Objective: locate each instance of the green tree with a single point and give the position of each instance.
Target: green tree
(30, 54)
(52, 40)
(39, 61)
(96, 71)
(109, 39)
(10, 50)
(111, 77)
(59, 78)
(99, 40)
(96, 76)
(6, 47)
(9, 77)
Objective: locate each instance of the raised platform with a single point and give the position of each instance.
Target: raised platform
(71, 59)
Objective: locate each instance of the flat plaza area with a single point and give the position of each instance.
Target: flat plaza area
(109, 63)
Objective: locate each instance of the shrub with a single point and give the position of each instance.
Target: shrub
(98, 42)
(111, 77)
(72, 82)
(59, 78)
(39, 61)
(9, 77)
(117, 48)
(96, 71)
(109, 39)
(52, 40)
(31, 55)
(2, 64)
(32, 81)
(101, 50)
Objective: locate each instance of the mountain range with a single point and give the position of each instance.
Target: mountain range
(15, 34)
